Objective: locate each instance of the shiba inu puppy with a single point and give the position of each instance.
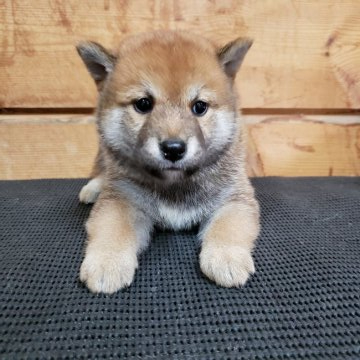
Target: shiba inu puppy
(171, 155)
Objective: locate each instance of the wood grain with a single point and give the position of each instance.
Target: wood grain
(291, 147)
(64, 146)
(306, 53)
(32, 151)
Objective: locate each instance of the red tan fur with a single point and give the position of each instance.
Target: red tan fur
(145, 180)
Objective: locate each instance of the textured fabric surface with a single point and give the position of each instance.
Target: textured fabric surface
(303, 302)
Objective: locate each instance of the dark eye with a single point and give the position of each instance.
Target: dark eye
(144, 105)
(199, 108)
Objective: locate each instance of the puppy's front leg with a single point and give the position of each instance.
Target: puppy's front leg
(90, 192)
(116, 233)
(227, 241)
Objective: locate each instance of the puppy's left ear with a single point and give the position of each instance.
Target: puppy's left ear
(232, 55)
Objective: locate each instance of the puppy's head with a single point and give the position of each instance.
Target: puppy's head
(166, 99)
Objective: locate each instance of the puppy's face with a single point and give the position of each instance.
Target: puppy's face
(167, 101)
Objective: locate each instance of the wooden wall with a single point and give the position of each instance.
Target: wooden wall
(299, 85)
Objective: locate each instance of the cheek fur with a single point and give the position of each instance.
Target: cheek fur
(113, 127)
(151, 146)
(224, 127)
(120, 128)
(219, 129)
(193, 147)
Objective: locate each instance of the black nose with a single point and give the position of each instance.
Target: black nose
(173, 149)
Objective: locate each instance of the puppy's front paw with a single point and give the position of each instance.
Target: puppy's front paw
(90, 191)
(228, 266)
(108, 272)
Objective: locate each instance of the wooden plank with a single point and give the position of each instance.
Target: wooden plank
(43, 119)
(283, 145)
(54, 150)
(306, 53)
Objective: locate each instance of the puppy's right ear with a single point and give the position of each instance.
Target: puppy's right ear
(99, 62)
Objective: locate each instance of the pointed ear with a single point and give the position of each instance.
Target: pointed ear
(232, 55)
(97, 59)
